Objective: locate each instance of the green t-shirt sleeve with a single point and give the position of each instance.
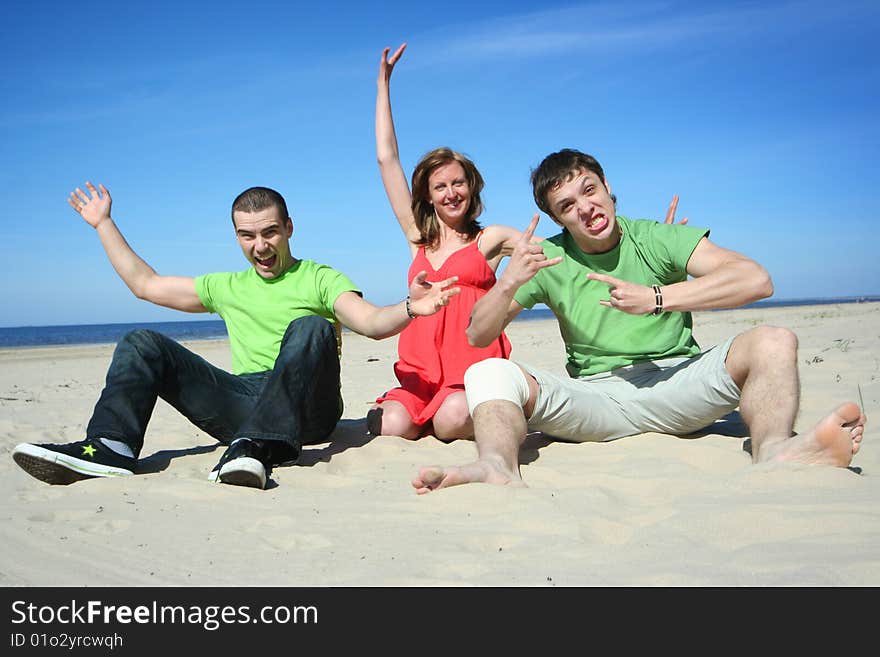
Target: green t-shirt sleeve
(669, 247)
(205, 286)
(529, 294)
(330, 284)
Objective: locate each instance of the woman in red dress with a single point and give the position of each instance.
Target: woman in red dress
(439, 220)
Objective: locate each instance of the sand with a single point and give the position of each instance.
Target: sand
(641, 511)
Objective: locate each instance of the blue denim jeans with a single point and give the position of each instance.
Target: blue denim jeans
(297, 402)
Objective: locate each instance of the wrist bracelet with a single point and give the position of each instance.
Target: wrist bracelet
(409, 311)
(658, 300)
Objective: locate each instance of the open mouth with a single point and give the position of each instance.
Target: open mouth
(596, 224)
(266, 263)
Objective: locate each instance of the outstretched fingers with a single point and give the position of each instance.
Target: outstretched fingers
(670, 212)
(75, 201)
(446, 283)
(605, 278)
(531, 254)
(397, 54)
(631, 298)
(446, 292)
(78, 199)
(426, 298)
(529, 233)
(386, 64)
(527, 258)
(92, 205)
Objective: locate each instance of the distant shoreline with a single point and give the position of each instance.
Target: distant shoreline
(24, 337)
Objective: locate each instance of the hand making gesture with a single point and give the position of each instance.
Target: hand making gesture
(631, 298)
(427, 298)
(386, 64)
(670, 212)
(95, 208)
(527, 258)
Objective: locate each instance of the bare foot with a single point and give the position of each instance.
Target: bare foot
(436, 477)
(833, 441)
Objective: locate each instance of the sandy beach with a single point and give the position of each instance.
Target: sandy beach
(641, 511)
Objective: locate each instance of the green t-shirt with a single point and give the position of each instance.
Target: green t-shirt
(597, 338)
(258, 310)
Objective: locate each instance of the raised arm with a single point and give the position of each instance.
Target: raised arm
(497, 308)
(176, 292)
(382, 322)
(393, 177)
(721, 279)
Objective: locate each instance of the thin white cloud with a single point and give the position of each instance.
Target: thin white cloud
(639, 25)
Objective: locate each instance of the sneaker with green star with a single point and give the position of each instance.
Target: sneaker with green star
(67, 463)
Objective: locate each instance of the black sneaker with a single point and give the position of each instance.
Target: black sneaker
(244, 463)
(70, 462)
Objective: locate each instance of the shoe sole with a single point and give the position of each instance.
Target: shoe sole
(61, 469)
(243, 471)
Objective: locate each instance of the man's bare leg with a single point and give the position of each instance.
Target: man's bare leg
(500, 431)
(500, 428)
(763, 362)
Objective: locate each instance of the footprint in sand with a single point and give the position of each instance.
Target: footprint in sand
(283, 533)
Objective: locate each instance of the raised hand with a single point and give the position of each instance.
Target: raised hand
(630, 298)
(93, 207)
(527, 258)
(670, 213)
(386, 64)
(427, 298)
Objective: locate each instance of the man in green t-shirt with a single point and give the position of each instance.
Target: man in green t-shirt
(621, 292)
(284, 390)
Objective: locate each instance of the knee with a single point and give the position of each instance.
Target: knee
(141, 341)
(391, 419)
(310, 325)
(311, 334)
(775, 341)
(139, 336)
(495, 379)
(453, 418)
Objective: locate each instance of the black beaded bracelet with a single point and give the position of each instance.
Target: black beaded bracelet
(409, 311)
(658, 300)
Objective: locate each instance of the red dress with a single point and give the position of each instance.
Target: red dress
(434, 351)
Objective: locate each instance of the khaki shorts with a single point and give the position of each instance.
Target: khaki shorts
(676, 396)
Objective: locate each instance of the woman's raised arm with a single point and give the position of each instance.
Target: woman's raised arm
(393, 177)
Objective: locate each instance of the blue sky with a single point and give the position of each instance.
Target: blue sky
(763, 116)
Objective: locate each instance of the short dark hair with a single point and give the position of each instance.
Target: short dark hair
(423, 211)
(259, 198)
(558, 168)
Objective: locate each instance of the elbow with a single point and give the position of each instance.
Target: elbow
(386, 160)
(475, 339)
(766, 285)
(763, 287)
(141, 292)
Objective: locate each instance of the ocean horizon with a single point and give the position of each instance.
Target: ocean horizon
(215, 329)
